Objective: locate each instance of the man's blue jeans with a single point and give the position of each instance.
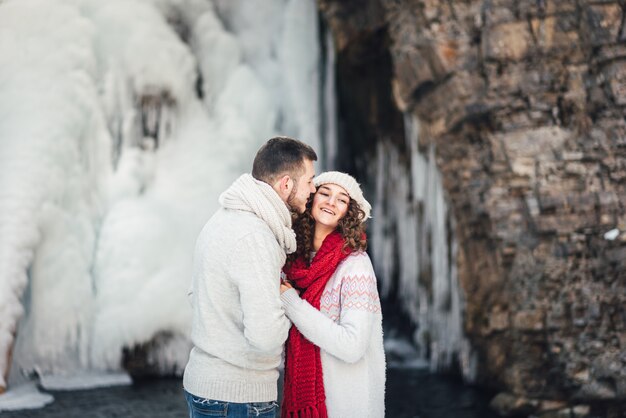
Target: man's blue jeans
(201, 408)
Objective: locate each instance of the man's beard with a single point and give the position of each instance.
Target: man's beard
(292, 197)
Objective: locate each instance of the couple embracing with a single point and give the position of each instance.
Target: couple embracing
(262, 283)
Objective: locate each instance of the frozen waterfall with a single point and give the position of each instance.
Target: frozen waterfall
(120, 123)
(414, 250)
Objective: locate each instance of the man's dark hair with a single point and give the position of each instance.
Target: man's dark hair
(281, 155)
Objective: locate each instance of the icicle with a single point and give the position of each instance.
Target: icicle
(382, 243)
(418, 226)
(330, 104)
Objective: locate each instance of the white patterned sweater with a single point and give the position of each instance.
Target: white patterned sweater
(348, 330)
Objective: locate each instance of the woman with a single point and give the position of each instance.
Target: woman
(335, 363)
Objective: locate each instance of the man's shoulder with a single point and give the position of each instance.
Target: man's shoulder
(237, 225)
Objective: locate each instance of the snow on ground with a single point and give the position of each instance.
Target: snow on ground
(24, 396)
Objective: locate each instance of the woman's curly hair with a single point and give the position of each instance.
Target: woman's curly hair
(350, 227)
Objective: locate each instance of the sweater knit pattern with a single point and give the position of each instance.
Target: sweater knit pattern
(252, 195)
(357, 292)
(351, 344)
(238, 323)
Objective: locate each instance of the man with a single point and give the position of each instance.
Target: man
(239, 326)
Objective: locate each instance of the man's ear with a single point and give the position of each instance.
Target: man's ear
(284, 185)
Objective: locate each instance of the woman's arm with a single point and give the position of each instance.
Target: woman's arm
(346, 339)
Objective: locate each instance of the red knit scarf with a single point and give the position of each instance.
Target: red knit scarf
(304, 384)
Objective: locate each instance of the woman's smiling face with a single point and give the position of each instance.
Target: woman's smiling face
(330, 204)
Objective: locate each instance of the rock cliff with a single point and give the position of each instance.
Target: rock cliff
(524, 103)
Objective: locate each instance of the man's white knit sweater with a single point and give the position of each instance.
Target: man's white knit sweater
(239, 325)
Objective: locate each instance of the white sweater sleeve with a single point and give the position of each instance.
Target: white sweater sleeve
(255, 269)
(346, 339)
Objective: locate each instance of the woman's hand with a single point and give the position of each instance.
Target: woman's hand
(285, 285)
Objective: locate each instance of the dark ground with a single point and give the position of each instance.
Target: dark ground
(410, 393)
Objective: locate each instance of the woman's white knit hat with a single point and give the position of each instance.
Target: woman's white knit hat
(347, 182)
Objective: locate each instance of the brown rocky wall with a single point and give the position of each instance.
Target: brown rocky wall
(525, 102)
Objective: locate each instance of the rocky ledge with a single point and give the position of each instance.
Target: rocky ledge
(525, 104)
